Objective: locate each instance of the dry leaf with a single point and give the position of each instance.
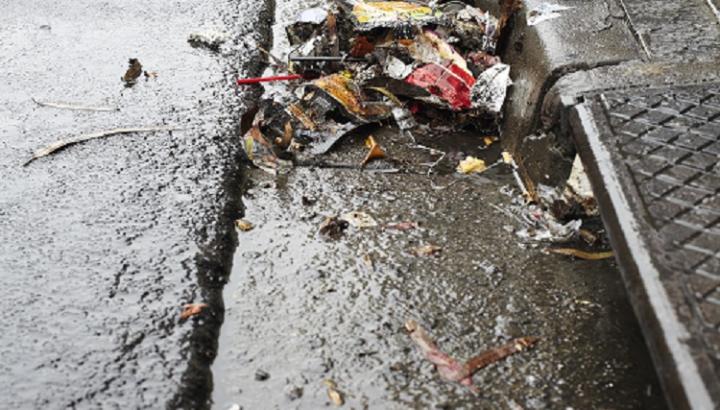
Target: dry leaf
(374, 150)
(133, 72)
(588, 256)
(244, 225)
(426, 250)
(453, 370)
(335, 396)
(298, 113)
(287, 136)
(489, 140)
(359, 219)
(471, 165)
(192, 309)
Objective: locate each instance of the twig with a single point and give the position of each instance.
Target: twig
(73, 106)
(588, 256)
(60, 144)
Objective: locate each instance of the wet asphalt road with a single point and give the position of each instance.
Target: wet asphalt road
(102, 243)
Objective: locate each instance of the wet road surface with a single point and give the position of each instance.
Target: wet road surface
(103, 243)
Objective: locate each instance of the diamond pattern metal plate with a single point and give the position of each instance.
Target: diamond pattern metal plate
(669, 140)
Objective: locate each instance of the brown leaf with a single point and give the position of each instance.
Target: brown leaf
(133, 72)
(192, 309)
(426, 250)
(588, 256)
(333, 227)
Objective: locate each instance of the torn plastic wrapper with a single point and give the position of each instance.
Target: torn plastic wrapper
(396, 68)
(343, 90)
(306, 26)
(391, 14)
(489, 91)
(449, 82)
(428, 47)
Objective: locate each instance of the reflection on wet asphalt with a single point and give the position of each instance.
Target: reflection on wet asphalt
(305, 309)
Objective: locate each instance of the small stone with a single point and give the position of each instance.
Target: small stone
(261, 375)
(293, 392)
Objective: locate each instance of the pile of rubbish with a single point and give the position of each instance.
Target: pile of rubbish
(356, 62)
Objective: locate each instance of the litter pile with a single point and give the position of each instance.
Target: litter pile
(355, 63)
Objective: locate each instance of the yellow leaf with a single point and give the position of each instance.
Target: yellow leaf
(471, 165)
(334, 395)
(243, 225)
(507, 158)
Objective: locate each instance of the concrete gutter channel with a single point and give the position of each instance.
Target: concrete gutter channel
(572, 75)
(271, 326)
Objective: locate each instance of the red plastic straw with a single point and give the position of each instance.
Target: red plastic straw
(243, 81)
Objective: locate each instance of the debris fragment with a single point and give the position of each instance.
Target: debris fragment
(580, 254)
(543, 12)
(426, 250)
(191, 310)
(150, 74)
(489, 91)
(333, 393)
(450, 82)
(451, 369)
(261, 375)
(293, 392)
(359, 219)
(333, 227)
(71, 106)
(133, 72)
(402, 226)
(578, 189)
(471, 165)
(374, 150)
(60, 144)
(361, 62)
(368, 262)
(244, 225)
(210, 39)
(256, 80)
(390, 14)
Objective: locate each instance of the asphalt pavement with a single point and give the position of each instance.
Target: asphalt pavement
(102, 243)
